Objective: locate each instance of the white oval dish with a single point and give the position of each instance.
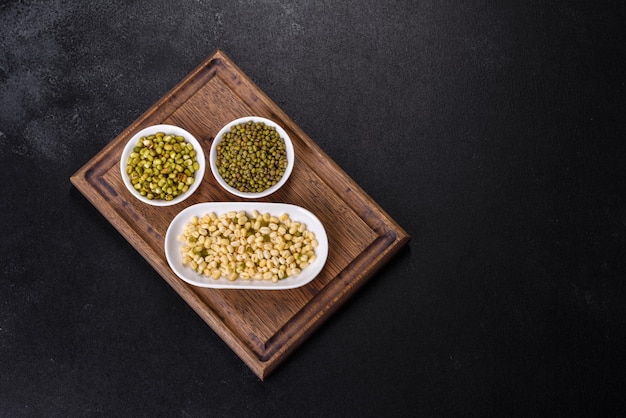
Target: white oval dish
(266, 192)
(296, 213)
(167, 129)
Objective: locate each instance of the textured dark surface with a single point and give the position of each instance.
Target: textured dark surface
(492, 133)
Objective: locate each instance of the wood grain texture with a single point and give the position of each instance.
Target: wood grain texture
(261, 327)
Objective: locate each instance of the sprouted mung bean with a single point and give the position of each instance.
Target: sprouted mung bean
(247, 245)
(251, 157)
(162, 166)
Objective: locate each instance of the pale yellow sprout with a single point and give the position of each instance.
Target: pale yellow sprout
(241, 245)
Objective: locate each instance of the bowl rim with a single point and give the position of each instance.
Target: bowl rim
(288, 145)
(166, 128)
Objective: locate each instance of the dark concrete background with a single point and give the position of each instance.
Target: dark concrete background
(492, 132)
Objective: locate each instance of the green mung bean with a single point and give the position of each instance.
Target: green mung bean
(155, 166)
(252, 157)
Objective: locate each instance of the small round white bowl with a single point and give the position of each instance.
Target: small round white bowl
(166, 129)
(266, 192)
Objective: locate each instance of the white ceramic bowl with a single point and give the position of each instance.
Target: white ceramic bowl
(266, 192)
(167, 129)
(296, 213)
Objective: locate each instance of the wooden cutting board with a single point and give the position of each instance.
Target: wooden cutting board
(262, 327)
